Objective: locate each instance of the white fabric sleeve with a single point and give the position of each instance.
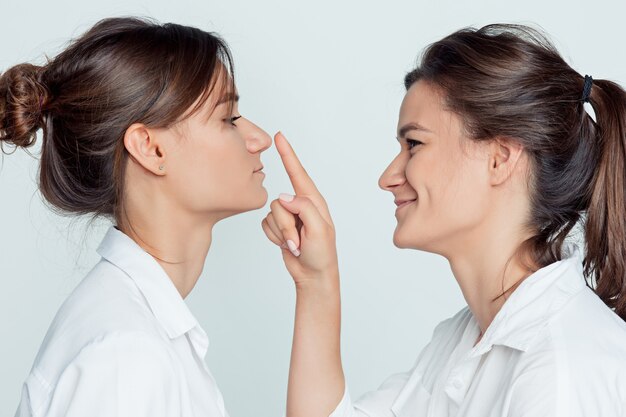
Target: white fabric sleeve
(125, 374)
(344, 408)
(375, 403)
(379, 403)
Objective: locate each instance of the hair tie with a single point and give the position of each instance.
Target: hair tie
(587, 88)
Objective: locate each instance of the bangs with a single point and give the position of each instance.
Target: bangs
(196, 68)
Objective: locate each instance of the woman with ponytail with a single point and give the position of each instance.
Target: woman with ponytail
(500, 159)
(140, 125)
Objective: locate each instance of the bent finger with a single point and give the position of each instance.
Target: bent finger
(286, 223)
(307, 212)
(271, 235)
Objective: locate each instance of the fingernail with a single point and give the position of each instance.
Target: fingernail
(293, 248)
(286, 197)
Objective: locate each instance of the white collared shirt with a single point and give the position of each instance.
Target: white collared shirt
(124, 343)
(554, 349)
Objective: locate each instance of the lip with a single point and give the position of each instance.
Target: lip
(403, 203)
(258, 170)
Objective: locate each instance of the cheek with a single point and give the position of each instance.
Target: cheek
(442, 182)
(452, 199)
(210, 173)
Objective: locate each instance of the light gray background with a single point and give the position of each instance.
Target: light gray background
(328, 74)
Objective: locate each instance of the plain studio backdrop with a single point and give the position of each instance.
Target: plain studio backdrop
(329, 75)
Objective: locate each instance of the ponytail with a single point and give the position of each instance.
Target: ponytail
(605, 226)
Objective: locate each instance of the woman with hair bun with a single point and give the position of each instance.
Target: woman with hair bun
(140, 125)
(504, 149)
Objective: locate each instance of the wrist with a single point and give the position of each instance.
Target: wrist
(325, 282)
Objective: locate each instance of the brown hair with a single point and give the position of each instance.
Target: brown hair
(122, 71)
(510, 81)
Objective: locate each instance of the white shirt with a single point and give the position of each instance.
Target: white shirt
(554, 350)
(124, 343)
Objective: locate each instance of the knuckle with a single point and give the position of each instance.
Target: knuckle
(284, 229)
(275, 205)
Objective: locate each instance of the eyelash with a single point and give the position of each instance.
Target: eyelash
(412, 143)
(232, 120)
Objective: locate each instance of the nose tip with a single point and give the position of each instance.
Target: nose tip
(392, 176)
(381, 183)
(259, 140)
(266, 140)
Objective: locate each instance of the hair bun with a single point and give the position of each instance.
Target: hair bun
(22, 98)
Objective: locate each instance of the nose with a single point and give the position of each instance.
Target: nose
(393, 176)
(257, 140)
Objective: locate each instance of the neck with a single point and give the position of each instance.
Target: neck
(488, 269)
(178, 242)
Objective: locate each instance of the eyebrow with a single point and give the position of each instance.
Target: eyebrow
(228, 97)
(411, 126)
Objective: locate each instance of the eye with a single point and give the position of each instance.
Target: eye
(232, 120)
(412, 143)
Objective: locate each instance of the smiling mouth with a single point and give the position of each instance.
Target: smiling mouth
(403, 203)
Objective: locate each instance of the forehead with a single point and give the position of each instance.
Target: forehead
(421, 100)
(424, 104)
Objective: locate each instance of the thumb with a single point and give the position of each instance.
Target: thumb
(308, 213)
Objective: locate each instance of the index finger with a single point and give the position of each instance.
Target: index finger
(302, 183)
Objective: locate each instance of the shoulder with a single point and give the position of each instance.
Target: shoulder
(589, 334)
(105, 301)
(127, 355)
(118, 371)
(105, 310)
(133, 355)
(577, 363)
(591, 341)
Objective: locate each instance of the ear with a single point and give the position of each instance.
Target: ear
(505, 155)
(144, 148)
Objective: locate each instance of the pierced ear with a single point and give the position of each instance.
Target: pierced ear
(504, 156)
(144, 148)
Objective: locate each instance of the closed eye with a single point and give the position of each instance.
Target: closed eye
(232, 120)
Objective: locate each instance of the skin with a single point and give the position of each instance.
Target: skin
(210, 170)
(455, 197)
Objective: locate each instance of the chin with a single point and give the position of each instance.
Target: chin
(259, 201)
(406, 240)
(262, 199)
(400, 241)
(254, 203)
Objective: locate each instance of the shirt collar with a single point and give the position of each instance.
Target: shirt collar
(538, 298)
(163, 298)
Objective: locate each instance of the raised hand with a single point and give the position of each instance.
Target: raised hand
(301, 225)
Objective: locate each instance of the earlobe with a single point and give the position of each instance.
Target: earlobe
(505, 155)
(144, 148)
